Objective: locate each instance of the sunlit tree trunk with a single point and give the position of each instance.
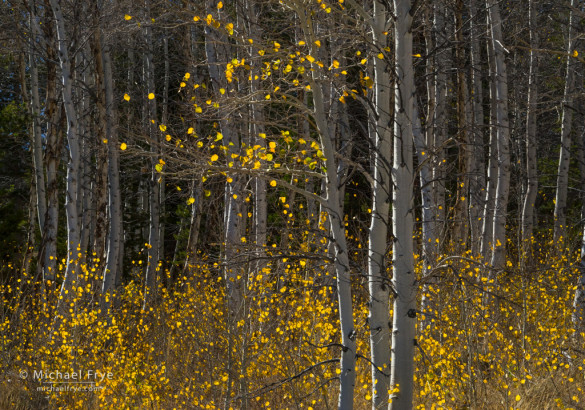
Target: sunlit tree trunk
(492, 168)
(560, 228)
(378, 278)
(336, 222)
(403, 280)
(498, 260)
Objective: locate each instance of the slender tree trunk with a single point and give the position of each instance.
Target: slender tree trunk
(477, 181)
(101, 176)
(461, 216)
(36, 137)
(424, 147)
(152, 267)
(404, 280)
(498, 260)
(114, 242)
(336, 223)
(490, 194)
(560, 228)
(378, 278)
(72, 269)
(531, 164)
(439, 120)
(52, 157)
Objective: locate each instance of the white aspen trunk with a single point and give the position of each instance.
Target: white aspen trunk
(72, 269)
(342, 268)
(114, 243)
(378, 278)
(498, 260)
(490, 194)
(404, 280)
(560, 228)
(477, 182)
(154, 200)
(531, 157)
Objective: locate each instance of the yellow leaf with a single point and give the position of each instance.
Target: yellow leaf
(126, 97)
(123, 146)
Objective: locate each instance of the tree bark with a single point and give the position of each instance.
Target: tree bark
(152, 266)
(531, 157)
(560, 213)
(498, 260)
(404, 280)
(378, 278)
(72, 269)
